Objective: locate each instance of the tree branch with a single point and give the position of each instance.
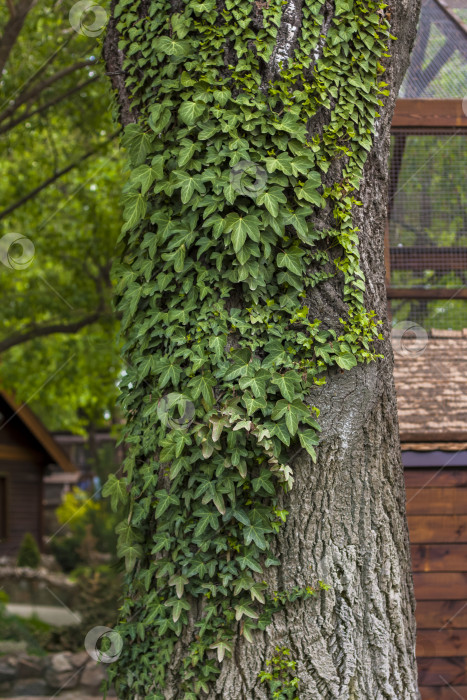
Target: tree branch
(53, 178)
(28, 115)
(41, 331)
(36, 91)
(18, 14)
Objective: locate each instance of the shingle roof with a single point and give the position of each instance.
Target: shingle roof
(431, 386)
(40, 432)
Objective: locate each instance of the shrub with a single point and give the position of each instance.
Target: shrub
(66, 551)
(90, 527)
(29, 554)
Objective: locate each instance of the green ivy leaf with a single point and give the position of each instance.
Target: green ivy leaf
(288, 383)
(257, 383)
(309, 190)
(188, 184)
(165, 500)
(247, 560)
(241, 610)
(171, 47)
(241, 227)
(343, 6)
(253, 404)
(217, 344)
(179, 582)
(239, 367)
(135, 205)
(116, 489)
(308, 440)
(202, 385)
(131, 553)
(291, 258)
(168, 371)
(255, 533)
(207, 518)
(293, 412)
(137, 143)
(177, 605)
(271, 199)
(190, 112)
(264, 481)
(346, 361)
(143, 177)
(222, 649)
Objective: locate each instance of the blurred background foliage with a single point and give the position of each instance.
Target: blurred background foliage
(60, 178)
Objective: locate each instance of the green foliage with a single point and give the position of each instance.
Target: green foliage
(73, 223)
(281, 678)
(65, 549)
(28, 553)
(17, 629)
(86, 520)
(97, 598)
(212, 291)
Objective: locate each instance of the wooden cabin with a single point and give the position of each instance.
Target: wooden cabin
(27, 449)
(426, 265)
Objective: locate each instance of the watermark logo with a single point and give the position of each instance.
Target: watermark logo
(103, 644)
(409, 339)
(88, 18)
(248, 178)
(16, 251)
(171, 404)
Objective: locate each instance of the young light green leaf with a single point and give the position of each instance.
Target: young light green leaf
(346, 361)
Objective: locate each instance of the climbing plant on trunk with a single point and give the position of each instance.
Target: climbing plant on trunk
(265, 546)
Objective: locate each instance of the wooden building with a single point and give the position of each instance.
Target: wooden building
(26, 451)
(426, 263)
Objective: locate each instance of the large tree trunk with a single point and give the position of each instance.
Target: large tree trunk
(346, 522)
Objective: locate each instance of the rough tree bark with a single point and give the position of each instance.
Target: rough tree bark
(346, 512)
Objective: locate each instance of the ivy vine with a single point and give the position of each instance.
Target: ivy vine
(221, 247)
(281, 676)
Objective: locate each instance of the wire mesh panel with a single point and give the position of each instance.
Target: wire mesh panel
(438, 67)
(427, 229)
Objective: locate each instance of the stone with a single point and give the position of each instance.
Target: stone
(7, 670)
(62, 681)
(30, 666)
(80, 659)
(30, 687)
(93, 675)
(61, 662)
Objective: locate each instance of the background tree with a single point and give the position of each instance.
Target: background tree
(254, 211)
(59, 171)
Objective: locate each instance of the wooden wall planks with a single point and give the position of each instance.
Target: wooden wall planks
(437, 516)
